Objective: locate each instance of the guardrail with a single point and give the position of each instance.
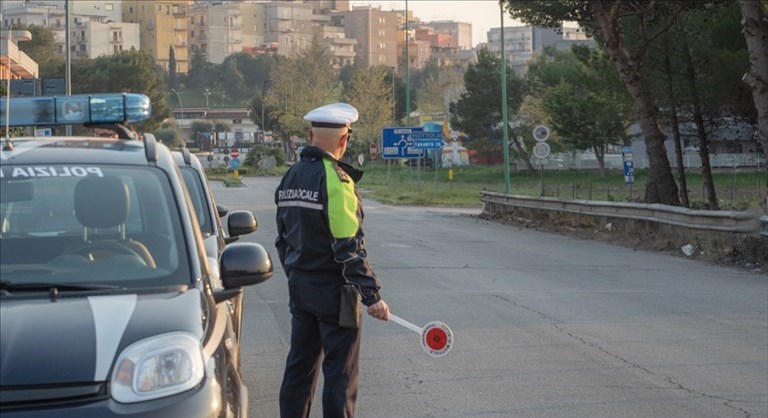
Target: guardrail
(748, 222)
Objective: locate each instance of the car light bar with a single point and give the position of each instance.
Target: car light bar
(80, 109)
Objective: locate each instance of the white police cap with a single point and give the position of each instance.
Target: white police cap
(336, 115)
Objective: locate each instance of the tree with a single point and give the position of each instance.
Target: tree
(42, 49)
(172, 78)
(255, 71)
(755, 23)
(201, 72)
(583, 98)
(625, 29)
(298, 85)
(233, 81)
(478, 112)
(370, 94)
(127, 71)
(585, 119)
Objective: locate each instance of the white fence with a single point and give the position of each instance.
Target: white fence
(567, 161)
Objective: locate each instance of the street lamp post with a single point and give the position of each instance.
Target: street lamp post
(206, 93)
(182, 107)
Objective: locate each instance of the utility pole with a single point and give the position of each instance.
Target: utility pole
(68, 57)
(504, 105)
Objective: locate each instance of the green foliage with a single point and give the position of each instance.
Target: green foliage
(260, 151)
(201, 72)
(478, 110)
(127, 71)
(170, 137)
(233, 81)
(300, 84)
(173, 81)
(369, 93)
(42, 49)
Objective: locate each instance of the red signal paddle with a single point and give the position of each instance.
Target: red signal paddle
(436, 337)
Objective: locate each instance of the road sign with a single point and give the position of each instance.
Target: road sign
(629, 172)
(427, 140)
(234, 164)
(541, 133)
(397, 143)
(360, 159)
(629, 166)
(541, 150)
(373, 149)
(234, 153)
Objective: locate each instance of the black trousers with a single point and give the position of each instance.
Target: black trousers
(318, 340)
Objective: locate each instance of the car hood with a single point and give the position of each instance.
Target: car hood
(76, 340)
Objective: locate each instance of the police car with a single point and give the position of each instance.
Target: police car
(108, 306)
(209, 217)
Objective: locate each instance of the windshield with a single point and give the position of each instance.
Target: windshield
(90, 224)
(197, 194)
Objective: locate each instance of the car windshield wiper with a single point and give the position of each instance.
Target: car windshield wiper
(53, 288)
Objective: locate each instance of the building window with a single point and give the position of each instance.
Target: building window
(192, 34)
(109, 7)
(237, 121)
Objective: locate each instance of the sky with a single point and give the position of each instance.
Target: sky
(482, 14)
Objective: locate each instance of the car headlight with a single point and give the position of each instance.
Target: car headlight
(155, 367)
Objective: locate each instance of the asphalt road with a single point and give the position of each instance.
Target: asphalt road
(544, 325)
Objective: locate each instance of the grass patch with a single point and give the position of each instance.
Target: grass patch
(399, 184)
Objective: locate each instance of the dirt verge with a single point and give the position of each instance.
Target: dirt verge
(749, 252)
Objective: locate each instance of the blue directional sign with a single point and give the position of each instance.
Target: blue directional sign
(397, 143)
(427, 140)
(629, 167)
(234, 164)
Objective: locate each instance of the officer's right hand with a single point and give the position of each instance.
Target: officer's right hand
(379, 310)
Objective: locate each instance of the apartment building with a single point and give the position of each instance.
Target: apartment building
(459, 34)
(254, 17)
(164, 24)
(14, 63)
(89, 20)
(375, 31)
(290, 26)
(94, 38)
(521, 43)
(216, 29)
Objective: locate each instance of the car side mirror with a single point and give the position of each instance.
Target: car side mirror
(244, 264)
(241, 222)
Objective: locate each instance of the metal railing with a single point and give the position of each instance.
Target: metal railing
(748, 222)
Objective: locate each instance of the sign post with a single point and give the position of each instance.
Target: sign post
(373, 150)
(235, 163)
(629, 168)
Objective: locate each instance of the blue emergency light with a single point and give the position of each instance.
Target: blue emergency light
(79, 109)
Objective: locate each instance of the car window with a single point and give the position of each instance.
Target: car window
(199, 201)
(90, 224)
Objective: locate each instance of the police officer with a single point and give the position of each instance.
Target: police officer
(321, 248)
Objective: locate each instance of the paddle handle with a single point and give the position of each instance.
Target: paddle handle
(406, 324)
